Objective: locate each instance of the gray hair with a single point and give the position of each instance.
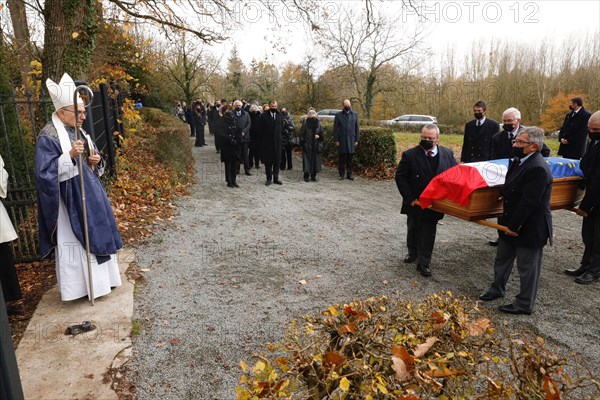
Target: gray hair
(431, 127)
(512, 110)
(536, 135)
(311, 113)
(237, 102)
(255, 107)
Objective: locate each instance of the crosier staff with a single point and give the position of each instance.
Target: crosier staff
(80, 159)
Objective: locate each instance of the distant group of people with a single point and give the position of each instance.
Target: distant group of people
(195, 116)
(248, 134)
(525, 194)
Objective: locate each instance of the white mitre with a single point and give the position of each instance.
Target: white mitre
(62, 93)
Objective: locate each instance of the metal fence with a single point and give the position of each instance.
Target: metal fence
(21, 119)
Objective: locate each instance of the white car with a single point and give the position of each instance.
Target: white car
(411, 119)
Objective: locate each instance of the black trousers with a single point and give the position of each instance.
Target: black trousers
(286, 156)
(200, 136)
(590, 233)
(245, 156)
(231, 168)
(254, 156)
(272, 171)
(8, 274)
(420, 234)
(192, 130)
(345, 164)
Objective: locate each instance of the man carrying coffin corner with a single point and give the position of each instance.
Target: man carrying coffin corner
(60, 213)
(526, 214)
(416, 169)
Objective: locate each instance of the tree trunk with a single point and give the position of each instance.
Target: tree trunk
(69, 39)
(22, 38)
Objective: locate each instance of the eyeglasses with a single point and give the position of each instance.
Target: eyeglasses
(519, 142)
(78, 112)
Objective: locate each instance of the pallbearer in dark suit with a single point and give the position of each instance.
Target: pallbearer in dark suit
(573, 133)
(526, 214)
(417, 168)
(271, 128)
(477, 141)
(589, 271)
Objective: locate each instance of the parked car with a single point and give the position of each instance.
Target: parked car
(327, 114)
(411, 119)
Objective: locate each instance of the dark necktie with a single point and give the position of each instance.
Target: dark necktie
(429, 153)
(478, 123)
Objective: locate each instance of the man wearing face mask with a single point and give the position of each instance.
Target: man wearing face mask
(589, 270)
(346, 135)
(528, 220)
(417, 168)
(243, 122)
(271, 129)
(477, 141)
(502, 146)
(573, 133)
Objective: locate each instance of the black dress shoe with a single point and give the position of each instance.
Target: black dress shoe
(341, 178)
(489, 296)
(512, 309)
(306, 179)
(424, 270)
(268, 183)
(277, 182)
(235, 185)
(230, 185)
(350, 177)
(587, 278)
(248, 173)
(409, 259)
(313, 178)
(493, 243)
(575, 272)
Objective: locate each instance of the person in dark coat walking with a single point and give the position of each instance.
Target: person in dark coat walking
(189, 118)
(199, 123)
(311, 140)
(477, 141)
(528, 220)
(346, 135)
(230, 137)
(244, 123)
(254, 153)
(214, 121)
(416, 169)
(288, 134)
(271, 129)
(589, 269)
(573, 133)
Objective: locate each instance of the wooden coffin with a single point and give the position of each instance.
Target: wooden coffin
(486, 202)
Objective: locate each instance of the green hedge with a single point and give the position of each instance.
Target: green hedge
(377, 147)
(172, 139)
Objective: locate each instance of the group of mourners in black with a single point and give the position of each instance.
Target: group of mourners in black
(249, 134)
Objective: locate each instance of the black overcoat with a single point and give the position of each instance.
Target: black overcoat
(575, 130)
(477, 141)
(271, 130)
(230, 137)
(311, 159)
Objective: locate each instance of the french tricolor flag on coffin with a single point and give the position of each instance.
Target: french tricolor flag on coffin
(458, 182)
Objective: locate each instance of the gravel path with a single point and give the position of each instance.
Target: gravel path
(224, 274)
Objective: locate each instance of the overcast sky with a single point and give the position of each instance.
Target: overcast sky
(452, 23)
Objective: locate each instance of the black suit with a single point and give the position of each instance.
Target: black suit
(502, 145)
(590, 229)
(477, 141)
(526, 200)
(575, 130)
(270, 125)
(413, 174)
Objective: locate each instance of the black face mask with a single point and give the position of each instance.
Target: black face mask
(519, 152)
(273, 110)
(346, 108)
(594, 135)
(426, 144)
(508, 127)
(478, 115)
(571, 108)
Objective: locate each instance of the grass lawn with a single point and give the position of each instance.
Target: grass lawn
(406, 140)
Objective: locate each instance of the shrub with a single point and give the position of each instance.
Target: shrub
(443, 348)
(376, 151)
